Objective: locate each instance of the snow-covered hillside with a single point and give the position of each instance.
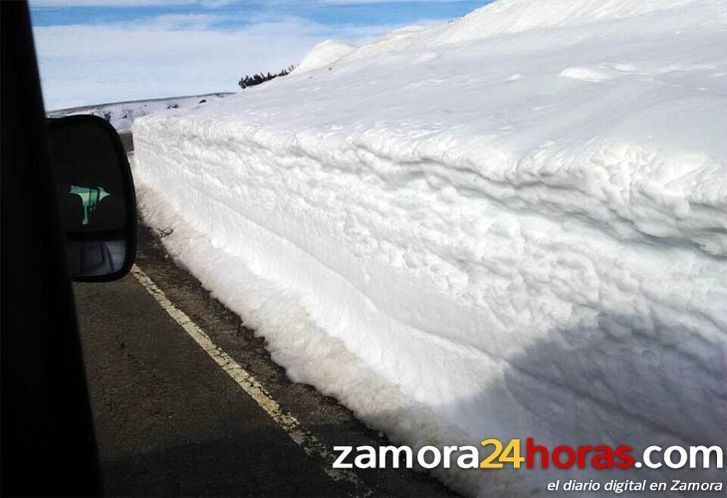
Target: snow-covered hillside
(122, 114)
(510, 225)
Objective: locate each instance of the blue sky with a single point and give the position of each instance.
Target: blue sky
(93, 51)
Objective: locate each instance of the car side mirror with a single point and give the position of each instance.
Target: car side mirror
(96, 197)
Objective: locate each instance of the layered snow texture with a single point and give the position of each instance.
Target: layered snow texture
(121, 115)
(509, 225)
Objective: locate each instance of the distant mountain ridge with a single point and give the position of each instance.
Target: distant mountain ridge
(122, 114)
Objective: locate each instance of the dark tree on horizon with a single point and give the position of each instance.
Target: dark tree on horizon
(256, 79)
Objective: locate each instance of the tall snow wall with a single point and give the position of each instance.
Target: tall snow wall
(511, 225)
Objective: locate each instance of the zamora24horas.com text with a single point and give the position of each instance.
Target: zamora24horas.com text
(516, 455)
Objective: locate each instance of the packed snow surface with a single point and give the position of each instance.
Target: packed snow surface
(121, 115)
(325, 53)
(509, 225)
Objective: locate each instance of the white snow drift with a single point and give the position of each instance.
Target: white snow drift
(510, 225)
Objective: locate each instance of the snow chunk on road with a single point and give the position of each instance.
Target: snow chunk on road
(510, 225)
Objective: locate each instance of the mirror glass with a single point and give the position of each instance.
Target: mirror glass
(95, 195)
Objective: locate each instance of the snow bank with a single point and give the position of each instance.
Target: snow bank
(323, 55)
(510, 225)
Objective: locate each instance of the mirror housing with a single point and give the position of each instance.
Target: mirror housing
(96, 197)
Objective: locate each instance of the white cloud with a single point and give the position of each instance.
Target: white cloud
(359, 2)
(125, 3)
(206, 3)
(171, 55)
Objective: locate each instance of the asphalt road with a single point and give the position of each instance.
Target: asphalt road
(170, 422)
